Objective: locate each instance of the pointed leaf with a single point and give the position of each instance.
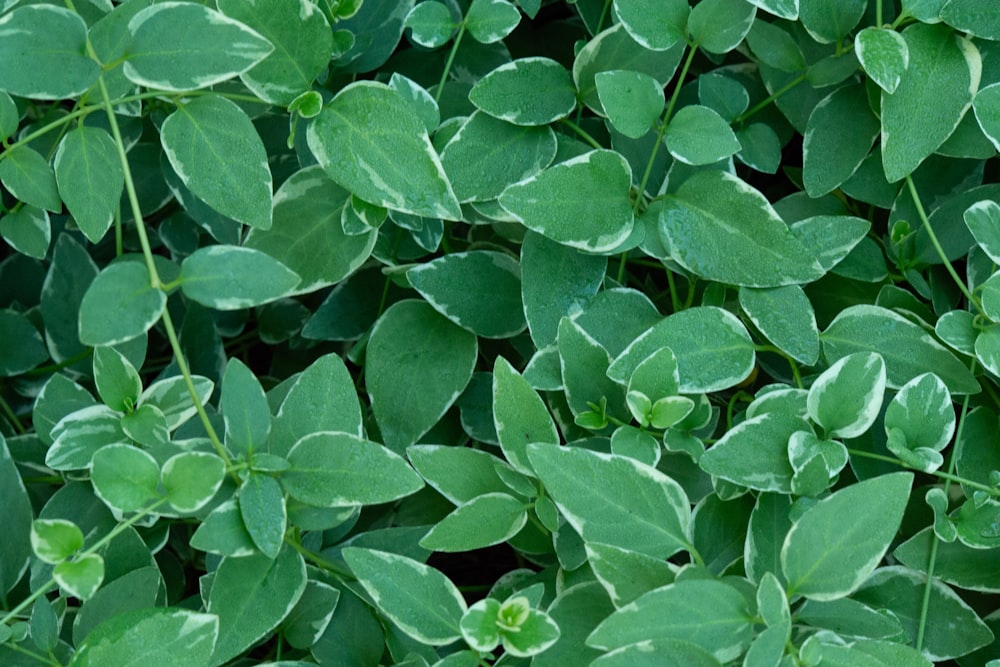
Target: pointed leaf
(22, 348)
(698, 135)
(29, 177)
(117, 380)
(159, 635)
(218, 277)
(883, 55)
(632, 100)
(830, 20)
(119, 305)
(124, 477)
(90, 178)
(785, 316)
(754, 453)
(17, 545)
(923, 411)
(262, 507)
(655, 24)
(27, 230)
(983, 220)
(80, 578)
(838, 138)
(527, 91)
(847, 397)
(244, 409)
(489, 519)
(190, 479)
(519, 414)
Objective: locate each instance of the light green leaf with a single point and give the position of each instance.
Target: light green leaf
(417, 598)
(532, 635)
(306, 234)
(519, 414)
(90, 178)
(786, 317)
(655, 24)
(29, 177)
(830, 20)
(906, 348)
(847, 397)
(831, 238)
(706, 612)
(218, 276)
(171, 396)
(431, 24)
(987, 109)
(146, 426)
(412, 345)
(117, 380)
(460, 474)
(722, 229)
(190, 480)
(369, 140)
(657, 375)
(583, 202)
(80, 578)
(526, 91)
(339, 469)
(991, 297)
(244, 409)
(55, 540)
(455, 285)
(205, 47)
(615, 500)
(632, 100)
(251, 596)
(583, 363)
(119, 305)
(838, 138)
(479, 625)
(489, 519)
(698, 135)
(786, 9)
(43, 53)
(302, 42)
(956, 563)
(957, 329)
(832, 549)
(718, 26)
(942, 79)
(884, 56)
(80, 434)
(923, 412)
(972, 16)
(988, 348)
(627, 574)
(27, 230)
(22, 348)
(124, 477)
(262, 508)
(159, 635)
(489, 21)
(983, 220)
(754, 453)
(714, 350)
(217, 153)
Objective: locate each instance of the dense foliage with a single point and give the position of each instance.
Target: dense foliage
(472, 332)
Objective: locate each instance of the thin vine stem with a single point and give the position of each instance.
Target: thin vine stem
(764, 103)
(12, 416)
(449, 62)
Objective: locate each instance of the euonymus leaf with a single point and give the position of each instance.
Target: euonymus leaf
(419, 599)
(941, 79)
(519, 414)
(205, 47)
(923, 413)
(171, 396)
(29, 177)
(583, 202)
(369, 140)
(830, 20)
(43, 53)
(847, 397)
(838, 137)
(831, 237)
(330, 469)
(775, 47)
(632, 100)
(655, 24)
(124, 477)
(486, 520)
(79, 435)
(832, 549)
(706, 612)
(583, 363)
(720, 228)
(223, 533)
(216, 276)
(718, 26)
(987, 108)
(973, 17)
(527, 91)
(907, 349)
(119, 305)
(460, 474)
(884, 56)
(116, 378)
(785, 316)
(615, 500)
(150, 636)
(627, 574)
(215, 150)
(454, 285)
(302, 42)
(90, 178)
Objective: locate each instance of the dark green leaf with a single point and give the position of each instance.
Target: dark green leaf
(43, 53)
(486, 520)
(29, 177)
(16, 547)
(838, 137)
(22, 348)
(90, 179)
(159, 635)
(830, 20)
(119, 305)
(244, 408)
(718, 26)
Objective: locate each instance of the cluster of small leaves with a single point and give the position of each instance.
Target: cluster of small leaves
(683, 316)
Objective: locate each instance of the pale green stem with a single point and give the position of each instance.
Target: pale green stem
(448, 63)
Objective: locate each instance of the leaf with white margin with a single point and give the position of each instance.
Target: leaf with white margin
(719, 227)
(884, 56)
(520, 415)
(829, 21)
(698, 135)
(431, 24)
(830, 237)
(983, 220)
(583, 202)
(489, 21)
(90, 178)
(486, 520)
(786, 318)
(370, 141)
(847, 397)
(171, 396)
(119, 305)
(655, 24)
(987, 109)
(81, 577)
(615, 500)
(786, 9)
(124, 477)
(839, 136)
(419, 599)
(27, 230)
(190, 479)
(754, 453)
(55, 540)
(632, 100)
(526, 91)
(204, 47)
(159, 635)
(833, 547)
(228, 277)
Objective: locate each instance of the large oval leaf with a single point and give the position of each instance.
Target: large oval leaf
(164, 635)
(90, 178)
(231, 278)
(119, 305)
(527, 91)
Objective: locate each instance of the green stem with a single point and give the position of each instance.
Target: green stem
(675, 299)
(580, 131)
(878, 13)
(12, 416)
(319, 561)
(448, 63)
(769, 99)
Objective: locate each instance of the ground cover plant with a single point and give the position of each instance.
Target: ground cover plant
(473, 332)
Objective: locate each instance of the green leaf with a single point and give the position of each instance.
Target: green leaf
(90, 178)
(489, 21)
(18, 543)
(117, 380)
(417, 598)
(29, 177)
(302, 42)
(454, 285)
(956, 563)
(832, 549)
(785, 316)
(460, 474)
(205, 48)
(884, 56)
(306, 234)
(171, 396)
(584, 363)
(582, 202)
(712, 347)
(311, 616)
(223, 532)
(245, 409)
(658, 653)
(718, 26)
(431, 24)
(655, 25)
(262, 507)
(22, 348)
(754, 453)
(709, 613)
(519, 414)
(987, 109)
(27, 230)
(119, 305)
(412, 345)
(942, 78)
(838, 138)
(632, 100)
(217, 153)
(80, 434)
(370, 141)
(848, 617)
(923, 412)
(251, 596)
(160, 635)
(489, 519)
(124, 477)
(526, 91)
(615, 499)
(627, 574)
(218, 276)
(339, 469)
(147, 426)
(534, 635)
(832, 237)
(906, 348)
(988, 348)
(774, 47)
(43, 54)
(698, 135)
(830, 20)
(973, 17)
(80, 578)
(847, 397)
(479, 625)
(10, 116)
(983, 221)
(722, 229)
(55, 540)
(190, 480)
